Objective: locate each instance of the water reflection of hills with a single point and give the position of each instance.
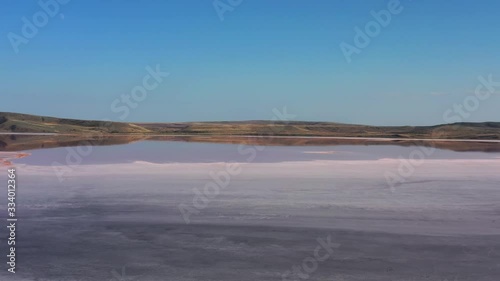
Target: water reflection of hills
(30, 142)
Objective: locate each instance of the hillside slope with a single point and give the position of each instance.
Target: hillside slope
(23, 123)
(489, 130)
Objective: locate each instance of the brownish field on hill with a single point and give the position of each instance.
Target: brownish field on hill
(22, 123)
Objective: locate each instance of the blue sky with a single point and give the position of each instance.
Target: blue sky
(263, 55)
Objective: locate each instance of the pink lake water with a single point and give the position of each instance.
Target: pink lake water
(196, 211)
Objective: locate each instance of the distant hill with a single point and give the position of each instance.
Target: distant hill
(23, 123)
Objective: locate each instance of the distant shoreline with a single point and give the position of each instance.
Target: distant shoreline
(30, 134)
(253, 136)
(16, 123)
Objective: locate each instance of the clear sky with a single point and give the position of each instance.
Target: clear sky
(262, 55)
